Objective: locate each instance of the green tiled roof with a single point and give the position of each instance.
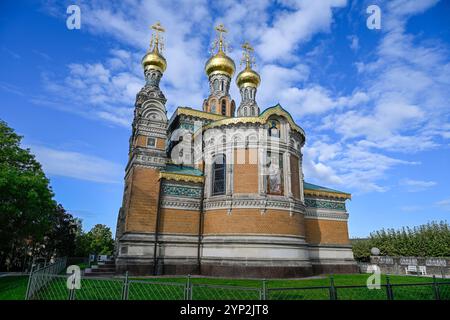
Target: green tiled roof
(310, 186)
(173, 168)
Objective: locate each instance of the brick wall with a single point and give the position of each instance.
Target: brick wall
(250, 221)
(245, 175)
(326, 231)
(143, 200)
(295, 186)
(179, 221)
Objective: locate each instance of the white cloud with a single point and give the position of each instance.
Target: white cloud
(347, 165)
(298, 24)
(444, 204)
(416, 185)
(411, 208)
(77, 165)
(354, 42)
(400, 103)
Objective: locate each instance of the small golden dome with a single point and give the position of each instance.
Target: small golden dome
(248, 77)
(220, 63)
(154, 60)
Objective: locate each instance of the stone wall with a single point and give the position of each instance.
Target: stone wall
(398, 265)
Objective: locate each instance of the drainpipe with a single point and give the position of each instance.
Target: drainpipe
(200, 230)
(155, 259)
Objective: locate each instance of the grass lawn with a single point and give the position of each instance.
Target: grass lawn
(171, 288)
(13, 288)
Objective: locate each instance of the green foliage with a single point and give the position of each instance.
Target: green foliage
(31, 222)
(26, 203)
(428, 240)
(97, 241)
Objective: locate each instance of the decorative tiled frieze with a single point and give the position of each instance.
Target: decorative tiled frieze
(181, 191)
(323, 204)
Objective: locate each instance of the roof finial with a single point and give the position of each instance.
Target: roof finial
(247, 55)
(220, 43)
(157, 41)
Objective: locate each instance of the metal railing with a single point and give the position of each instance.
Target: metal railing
(54, 287)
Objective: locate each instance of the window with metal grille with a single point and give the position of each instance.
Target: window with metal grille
(224, 107)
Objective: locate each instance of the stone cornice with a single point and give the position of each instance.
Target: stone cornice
(180, 177)
(327, 194)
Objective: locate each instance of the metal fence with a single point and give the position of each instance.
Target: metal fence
(123, 288)
(41, 277)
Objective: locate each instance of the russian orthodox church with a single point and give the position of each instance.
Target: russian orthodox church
(220, 191)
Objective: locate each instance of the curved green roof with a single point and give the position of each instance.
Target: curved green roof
(315, 187)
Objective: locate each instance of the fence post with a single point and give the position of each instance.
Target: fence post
(264, 290)
(125, 287)
(30, 280)
(389, 292)
(333, 291)
(437, 295)
(188, 294)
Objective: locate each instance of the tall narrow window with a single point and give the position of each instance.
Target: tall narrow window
(224, 107)
(218, 175)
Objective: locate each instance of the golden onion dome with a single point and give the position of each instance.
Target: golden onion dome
(248, 77)
(220, 63)
(154, 60)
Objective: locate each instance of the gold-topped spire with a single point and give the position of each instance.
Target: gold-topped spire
(153, 59)
(220, 62)
(248, 76)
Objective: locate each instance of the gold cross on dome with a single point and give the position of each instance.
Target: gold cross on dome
(220, 42)
(158, 28)
(247, 55)
(157, 41)
(221, 29)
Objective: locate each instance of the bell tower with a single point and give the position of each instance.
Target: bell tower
(220, 69)
(136, 225)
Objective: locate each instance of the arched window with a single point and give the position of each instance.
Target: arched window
(252, 111)
(216, 84)
(213, 106)
(218, 175)
(245, 111)
(224, 107)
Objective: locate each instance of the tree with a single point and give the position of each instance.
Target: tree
(26, 200)
(60, 239)
(101, 241)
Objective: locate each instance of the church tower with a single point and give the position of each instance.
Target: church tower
(219, 69)
(248, 81)
(136, 225)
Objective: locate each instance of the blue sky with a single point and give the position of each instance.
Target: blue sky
(374, 103)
